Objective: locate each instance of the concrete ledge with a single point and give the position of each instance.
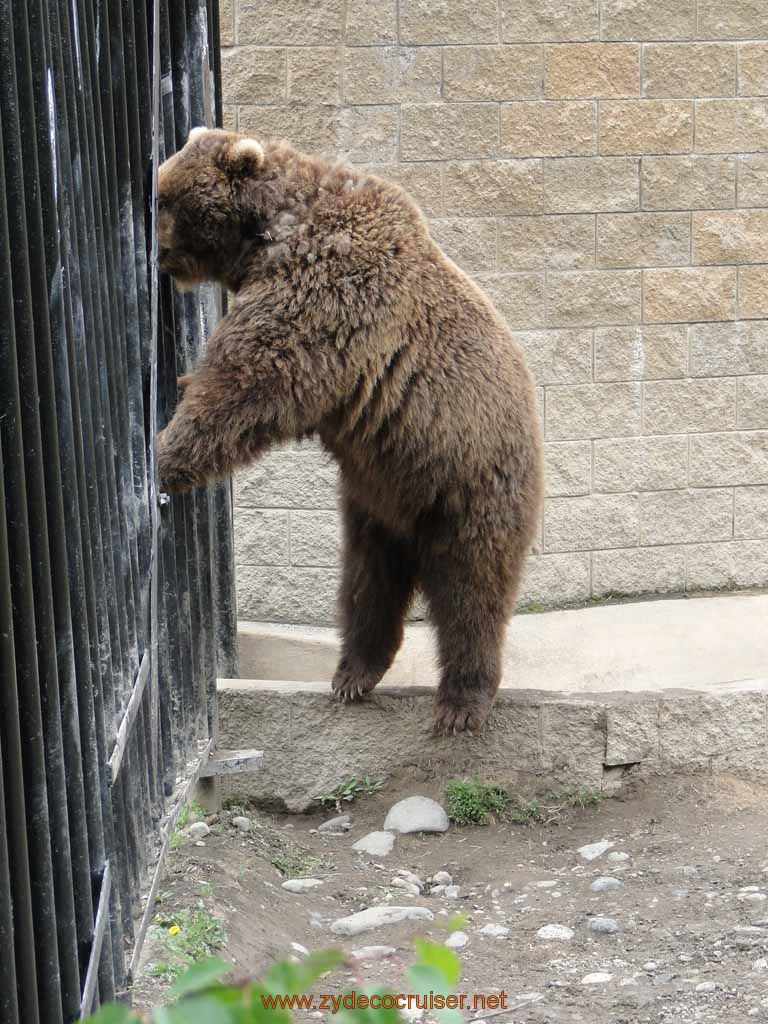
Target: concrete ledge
(591, 740)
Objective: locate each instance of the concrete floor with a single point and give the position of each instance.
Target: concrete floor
(699, 643)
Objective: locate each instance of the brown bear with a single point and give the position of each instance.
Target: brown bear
(349, 323)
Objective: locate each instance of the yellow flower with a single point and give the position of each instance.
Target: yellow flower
(174, 929)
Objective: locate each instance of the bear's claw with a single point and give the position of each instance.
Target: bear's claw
(349, 686)
(453, 719)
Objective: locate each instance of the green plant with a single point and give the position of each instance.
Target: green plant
(471, 802)
(200, 997)
(293, 862)
(524, 812)
(349, 790)
(187, 937)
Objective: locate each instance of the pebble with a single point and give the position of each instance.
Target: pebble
(416, 814)
(594, 850)
(301, 884)
(373, 952)
(198, 830)
(199, 843)
(441, 878)
(760, 965)
(604, 925)
(437, 890)
(495, 931)
(341, 823)
(377, 844)
(376, 917)
(546, 885)
(618, 857)
(298, 948)
(706, 986)
(242, 824)
(457, 940)
(452, 892)
(650, 965)
(555, 933)
(596, 979)
(606, 884)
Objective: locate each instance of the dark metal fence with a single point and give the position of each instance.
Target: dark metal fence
(116, 607)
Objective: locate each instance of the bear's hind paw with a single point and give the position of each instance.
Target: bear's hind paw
(449, 719)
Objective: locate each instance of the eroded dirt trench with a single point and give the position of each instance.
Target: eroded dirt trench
(687, 938)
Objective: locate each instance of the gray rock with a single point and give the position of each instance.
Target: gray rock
(457, 940)
(405, 885)
(409, 876)
(198, 830)
(598, 978)
(301, 884)
(437, 890)
(373, 952)
(706, 986)
(377, 917)
(242, 824)
(341, 823)
(298, 948)
(452, 892)
(377, 844)
(618, 858)
(606, 884)
(441, 878)
(555, 933)
(494, 931)
(417, 814)
(594, 850)
(604, 926)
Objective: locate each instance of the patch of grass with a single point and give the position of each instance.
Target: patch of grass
(189, 812)
(471, 802)
(525, 812)
(293, 862)
(188, 937)
(582, 798)
(345, 792)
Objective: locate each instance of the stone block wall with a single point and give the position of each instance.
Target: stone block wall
(600, 167)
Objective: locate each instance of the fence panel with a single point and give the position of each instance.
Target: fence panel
(116, 603)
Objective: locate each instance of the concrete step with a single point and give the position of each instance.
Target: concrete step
(591, 698)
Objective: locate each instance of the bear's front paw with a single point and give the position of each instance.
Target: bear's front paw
(352, 682)
(450, 718)
(175, 476)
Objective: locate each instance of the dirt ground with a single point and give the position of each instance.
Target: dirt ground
(695, 877)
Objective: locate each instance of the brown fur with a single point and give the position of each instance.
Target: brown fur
(350, 323)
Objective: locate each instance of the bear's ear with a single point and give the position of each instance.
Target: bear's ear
(245, 157)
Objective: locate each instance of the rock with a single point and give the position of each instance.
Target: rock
(403, 883)
(618, 858)
(298, 948)
(760, 965)
(689, 871)
(242, 824)
(604, 926)
(594, 850)
(706, 986)
(495, 931)
(457, 940)
(606, 884)
(452, 892)
(596, 979)
(546, 885)
(301, 884)
(441, 878)
(198, 830)
(377, 917)
(341, 823)
(555, 933)
(437, 890)
(377, 844)
(650, 965)
(200, 843)
(373, 952)
(417, 814)
(409, 876)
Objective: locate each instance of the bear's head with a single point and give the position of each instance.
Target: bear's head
(213, 196)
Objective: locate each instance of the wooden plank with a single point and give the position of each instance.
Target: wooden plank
(180, 800)
(129, 718)
(102, 918)
(233, 762)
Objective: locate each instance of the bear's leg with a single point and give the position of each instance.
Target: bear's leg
(378, 580)
(470, 604)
